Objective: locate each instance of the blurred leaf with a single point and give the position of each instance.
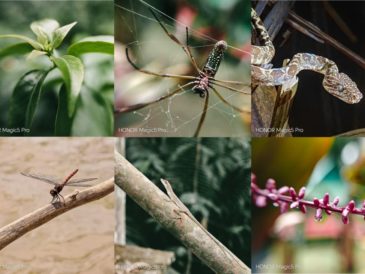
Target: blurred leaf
(20, 48)
(59, 34)
(33, 43)
(43, 29)
(72, 71)
(25, 98)
(63, 122)
(35, 54)
(94, 115)
(95, 44)
(273, 157)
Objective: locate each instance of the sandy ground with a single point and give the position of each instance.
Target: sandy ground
(79, 241)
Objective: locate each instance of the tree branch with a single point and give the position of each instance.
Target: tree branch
(18, 228)
(156, 203)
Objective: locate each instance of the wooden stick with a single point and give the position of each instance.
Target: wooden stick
(18, 228)
(156, 203)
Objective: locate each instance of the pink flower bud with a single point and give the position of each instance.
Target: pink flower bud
(336, 201)
(294, 204)
(326, 199)
(345, 215)
(260, 201)
(283, 190)
(253, 178)
(284, 207)
(270, 184)
(301, 193)
(254, 187)
(316, 201)
(302, 208)
(293, 194)
(351, 205)
(318, 215)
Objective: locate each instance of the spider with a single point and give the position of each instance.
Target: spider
(199, 84)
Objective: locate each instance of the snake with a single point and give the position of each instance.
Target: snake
(335, 83)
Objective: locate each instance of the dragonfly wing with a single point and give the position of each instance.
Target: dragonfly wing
(44, 178)
(76, 182)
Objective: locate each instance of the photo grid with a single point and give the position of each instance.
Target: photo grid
(182, 136)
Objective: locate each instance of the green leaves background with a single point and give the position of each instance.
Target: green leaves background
(58, 51)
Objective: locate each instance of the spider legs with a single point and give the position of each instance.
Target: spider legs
(174, 38)
(225, 101)
(142, 105)
(219, 83)
(202, 117)
(154, 73)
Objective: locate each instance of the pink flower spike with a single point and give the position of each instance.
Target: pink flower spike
(326, 199)
(270, 184)
(293, 194)
(318, 215)
(301, 193)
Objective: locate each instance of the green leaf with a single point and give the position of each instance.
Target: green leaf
(43, 29)
(59, 34)
(73, 75)
(33, 43)
(35, 53)
(94, 116)
(93, 44)
(63, 120)
(25, 98)
(20, 48)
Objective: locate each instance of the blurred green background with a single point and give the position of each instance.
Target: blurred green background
(150, 47)
(294, 242)
(93, 18)
(211, 177)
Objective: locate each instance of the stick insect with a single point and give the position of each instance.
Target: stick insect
(201, 84)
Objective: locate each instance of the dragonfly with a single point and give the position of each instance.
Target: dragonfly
(200, 84)
(59, 184)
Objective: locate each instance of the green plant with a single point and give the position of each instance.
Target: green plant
(73, 110)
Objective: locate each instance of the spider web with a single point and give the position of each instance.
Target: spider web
(151, 49)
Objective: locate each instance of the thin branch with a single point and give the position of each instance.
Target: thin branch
(157, 204)
(295, 19)
(18, 228)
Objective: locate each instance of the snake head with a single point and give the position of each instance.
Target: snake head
(342, 87)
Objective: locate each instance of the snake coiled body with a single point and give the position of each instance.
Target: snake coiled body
(337, 84)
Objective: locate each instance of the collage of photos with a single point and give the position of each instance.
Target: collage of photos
(182, 136)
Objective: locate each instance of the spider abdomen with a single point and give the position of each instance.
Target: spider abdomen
(214, 59)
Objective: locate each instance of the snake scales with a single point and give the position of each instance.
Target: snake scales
(337, 84)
